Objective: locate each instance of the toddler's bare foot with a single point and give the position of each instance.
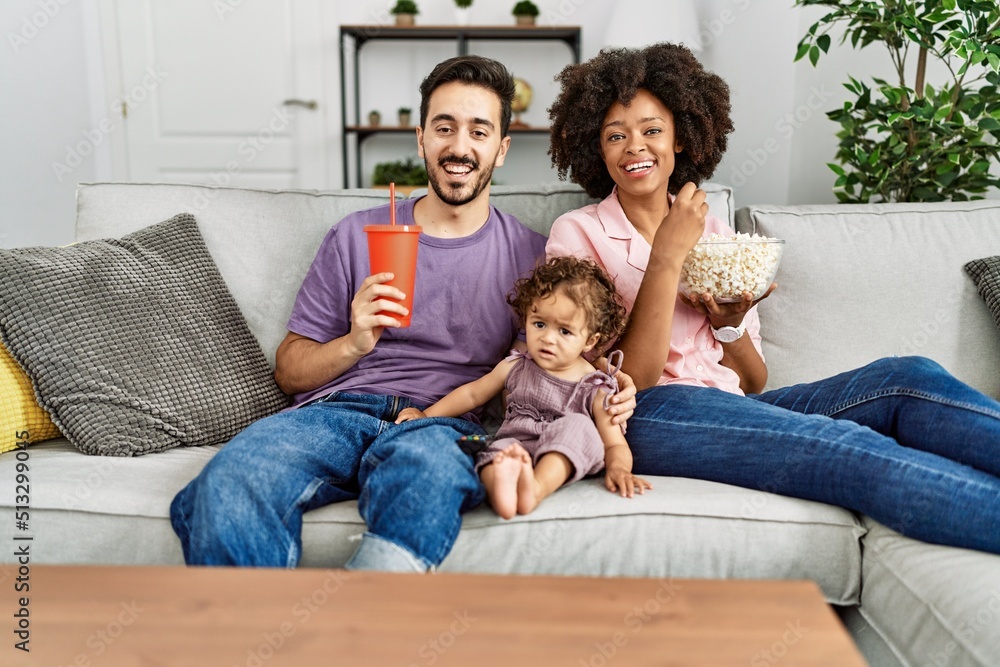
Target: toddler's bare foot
(501, 482)
(527, 487)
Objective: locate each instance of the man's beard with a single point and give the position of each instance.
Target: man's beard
(454, 195)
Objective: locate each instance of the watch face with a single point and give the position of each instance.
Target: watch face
(727, 334)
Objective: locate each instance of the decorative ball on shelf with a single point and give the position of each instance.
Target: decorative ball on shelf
(522, 100)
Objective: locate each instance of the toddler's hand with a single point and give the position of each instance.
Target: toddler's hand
(410, 414)
(625, 483)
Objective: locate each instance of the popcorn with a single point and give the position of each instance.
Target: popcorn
(728, 266)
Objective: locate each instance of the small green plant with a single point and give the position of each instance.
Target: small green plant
(410, 172)
(404, 110)
(405, 7)
(464, 4)
(525, 8)
(903, 141)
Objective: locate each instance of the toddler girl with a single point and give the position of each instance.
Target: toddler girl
(556, 428)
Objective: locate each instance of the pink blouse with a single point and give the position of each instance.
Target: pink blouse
(602, 232)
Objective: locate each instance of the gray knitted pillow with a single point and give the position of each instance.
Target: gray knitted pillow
(986, 274)
(134, 345)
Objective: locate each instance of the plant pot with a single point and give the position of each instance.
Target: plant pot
(461, 16)
(525, 20)
(404, 120)
(405, 19)
(374, 118)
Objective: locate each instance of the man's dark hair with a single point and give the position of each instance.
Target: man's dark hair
(475, 71)
(698, 100)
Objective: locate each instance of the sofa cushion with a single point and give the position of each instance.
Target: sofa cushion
(113, 510)
(857, 283)
(934, 605)
(538, 206)
(263, 242)
(986, 274)
(134, 345)
(21, 418)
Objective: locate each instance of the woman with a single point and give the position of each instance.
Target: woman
(900, 440)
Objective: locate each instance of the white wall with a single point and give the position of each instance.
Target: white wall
(53, 94)
(46, 109)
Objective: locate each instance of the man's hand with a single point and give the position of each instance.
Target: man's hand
(367, 312)
(409, 414)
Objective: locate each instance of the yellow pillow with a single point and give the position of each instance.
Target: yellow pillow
(21, 418)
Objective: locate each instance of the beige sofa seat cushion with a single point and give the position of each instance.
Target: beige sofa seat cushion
(116, 510)
(936, 605)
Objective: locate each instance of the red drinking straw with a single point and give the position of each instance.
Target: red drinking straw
(392, 203)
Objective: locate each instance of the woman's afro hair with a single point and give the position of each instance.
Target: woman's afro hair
(698, 99)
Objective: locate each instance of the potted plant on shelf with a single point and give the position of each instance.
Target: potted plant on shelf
(911, 139)
(405, 11)
(374, 118)
(462, 11)
(404, 116)
(408, 176)
(525, 11)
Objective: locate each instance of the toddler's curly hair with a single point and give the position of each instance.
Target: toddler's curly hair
(585, 283)
(697, 98)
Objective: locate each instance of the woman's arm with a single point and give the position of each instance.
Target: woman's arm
(743, 359)
(646, 341)
(740, 356)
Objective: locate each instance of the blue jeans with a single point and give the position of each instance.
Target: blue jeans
(900, 440)
(412, 483)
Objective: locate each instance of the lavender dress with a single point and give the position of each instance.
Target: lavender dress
(548, 414)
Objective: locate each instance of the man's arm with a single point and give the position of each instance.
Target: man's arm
(303, 364)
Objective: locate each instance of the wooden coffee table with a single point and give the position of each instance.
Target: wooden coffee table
(81, 616)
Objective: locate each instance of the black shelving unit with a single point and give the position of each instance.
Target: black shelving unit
(353, 37)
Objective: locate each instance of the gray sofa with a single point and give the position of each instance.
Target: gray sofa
(856, 283)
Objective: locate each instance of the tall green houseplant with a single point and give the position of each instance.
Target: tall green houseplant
(910, 139)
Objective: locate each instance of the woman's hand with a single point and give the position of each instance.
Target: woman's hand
(409, 414)
(725, 314)
(683, 225)
(623, 403)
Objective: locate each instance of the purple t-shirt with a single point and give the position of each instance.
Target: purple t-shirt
(461, 326)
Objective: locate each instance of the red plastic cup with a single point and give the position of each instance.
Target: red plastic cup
(393, 249)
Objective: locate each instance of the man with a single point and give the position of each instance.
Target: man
(352, 369)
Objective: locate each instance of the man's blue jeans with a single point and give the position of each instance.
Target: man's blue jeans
(900, 440)
(412, 483)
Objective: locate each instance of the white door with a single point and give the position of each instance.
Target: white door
(221, 92)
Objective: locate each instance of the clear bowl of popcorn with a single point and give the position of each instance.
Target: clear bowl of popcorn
(729, 266)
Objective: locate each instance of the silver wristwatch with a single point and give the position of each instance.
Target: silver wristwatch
(728, 334)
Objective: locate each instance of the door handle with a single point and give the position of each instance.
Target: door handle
(312, 105)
